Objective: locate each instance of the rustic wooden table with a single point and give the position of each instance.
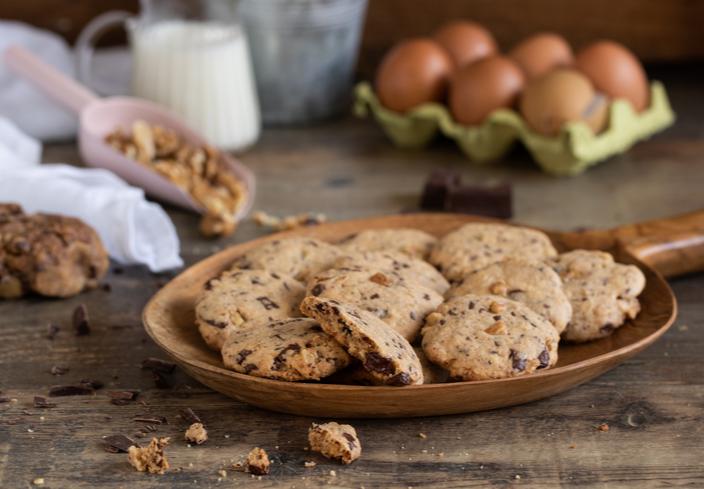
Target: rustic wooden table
(654, 403)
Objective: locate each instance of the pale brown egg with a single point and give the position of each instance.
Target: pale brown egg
(465, 41)
(562, 96)
(482, 87)
(541, 53)
(414, 72)
(615, 71)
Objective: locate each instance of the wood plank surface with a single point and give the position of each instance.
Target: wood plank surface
(653, 404)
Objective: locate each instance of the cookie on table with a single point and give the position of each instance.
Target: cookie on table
(408, 268)
(384, 353)
(412, 242)
(477, 245)
(335, 441)
(603, 293)
(479, 337)
(301, 258)
(400, 304)
(534, 284)
(239, 297)
(291, 349)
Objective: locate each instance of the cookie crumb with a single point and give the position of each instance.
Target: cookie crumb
(603, 427)
(309, 464)
(333, 473)
(423, 435)
(222, 473)
(335, 441)
(196, 433)
(151, 458)
(39, 481)
(518, 476)
(258, 461)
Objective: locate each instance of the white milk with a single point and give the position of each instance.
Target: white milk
(201, 71)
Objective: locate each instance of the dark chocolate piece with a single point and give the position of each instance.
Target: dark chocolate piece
(118, 443)
(80, 320)
(438, 188)
(71, 390)
(52, 330)
(495, 201)
(158, 364)
(42, 402)
(189, 416)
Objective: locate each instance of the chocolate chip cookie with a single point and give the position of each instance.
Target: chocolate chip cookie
(291, 349)
(479, 337)
(411, 242)
(408, 268)
(51, 255)
(300, 258)
(602, 293)
(383, 352)
(335, 441)
(400, 304)
(242, 296)
(534, 284)
(477, 245)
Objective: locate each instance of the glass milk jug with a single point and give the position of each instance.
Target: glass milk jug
(192, 57)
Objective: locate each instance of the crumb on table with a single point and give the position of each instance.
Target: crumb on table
(196, 433)
(151, 458)
(335, 441)
(258, 461)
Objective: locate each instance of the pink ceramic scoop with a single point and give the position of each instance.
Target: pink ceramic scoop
(100, 116)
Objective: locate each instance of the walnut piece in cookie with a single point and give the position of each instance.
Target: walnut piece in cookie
(51, 255)
(199, 170)
(196, 433)
(335, 441)
(258, 461)
(151, 458)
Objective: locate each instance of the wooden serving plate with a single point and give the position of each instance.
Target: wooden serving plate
(672, 246)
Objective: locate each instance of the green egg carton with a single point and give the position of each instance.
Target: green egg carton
(571, 152)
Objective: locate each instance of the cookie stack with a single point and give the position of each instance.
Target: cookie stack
(400, 307)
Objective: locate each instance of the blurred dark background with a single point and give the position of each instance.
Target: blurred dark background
(656, 30)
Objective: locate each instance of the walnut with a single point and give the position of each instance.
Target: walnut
(498, 328)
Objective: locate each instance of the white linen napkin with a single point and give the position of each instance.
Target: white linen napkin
(132, 229)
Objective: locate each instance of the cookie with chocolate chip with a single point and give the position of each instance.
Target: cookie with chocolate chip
(534, 284)
(300, 258)
(335, 441)
(291, 349)
(384, 353)
(412, 242)
(479, 337)
(603, 293)
(408, 268)
(239, 297)
(400, 304)
(477, 245)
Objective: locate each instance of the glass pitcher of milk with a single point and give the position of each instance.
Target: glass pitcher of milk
(191, 56)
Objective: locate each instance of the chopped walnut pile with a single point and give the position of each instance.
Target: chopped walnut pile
(258, 461)
(289, 222)
(151, 458)
(198, 170)
(196, 433)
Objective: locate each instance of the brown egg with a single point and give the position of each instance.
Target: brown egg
(541, 53)
(466, 41)
(562, 96)
(482, 87)
(414, 72)
(615, 71)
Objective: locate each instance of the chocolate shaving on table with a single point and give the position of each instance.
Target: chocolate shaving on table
(121, 398)
(158, 365)
(437, 189)
(4, 399)
(150, 419)
(118, 443)
(42, 402)
(80, 320)
(58, 370)
(106, 287)
(93, 384)
(52, 329)
(161, 380)
(71, 390)
(189, 416)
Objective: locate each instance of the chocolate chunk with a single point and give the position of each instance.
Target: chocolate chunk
(399, 379)
(544, 359)
(267, 303)
(494, 201)
(437, 189)
(216, 324)
(80, 320)
(150, 419)
(607, 328)
(189, 416)
(121, 398)
(93, 384)
(350, 440)
(158, 364)
(377, 363)
(71, 390)
(118, 443)
(318, 289)
(242, 355)
(41, 402)
(52, 330)
(518, 361)
(57, 370)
